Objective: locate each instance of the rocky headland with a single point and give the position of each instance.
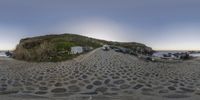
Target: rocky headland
(57, 47)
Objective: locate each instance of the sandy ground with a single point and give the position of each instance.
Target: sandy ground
(100, 75)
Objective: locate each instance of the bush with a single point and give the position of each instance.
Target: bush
(61, 46)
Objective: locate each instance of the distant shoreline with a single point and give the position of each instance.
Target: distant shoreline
(178, 50)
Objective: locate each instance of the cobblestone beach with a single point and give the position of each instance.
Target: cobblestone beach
(100, 75)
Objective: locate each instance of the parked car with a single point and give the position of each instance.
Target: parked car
(105, 47)
(118, 50)
(9, 54)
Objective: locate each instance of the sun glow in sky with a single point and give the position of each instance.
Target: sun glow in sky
(102, 28)
(160, 24)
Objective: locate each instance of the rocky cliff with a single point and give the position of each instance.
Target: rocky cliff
(57, 47)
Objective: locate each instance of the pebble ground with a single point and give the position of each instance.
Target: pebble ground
(105, 73)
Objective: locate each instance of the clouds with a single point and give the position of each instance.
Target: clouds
(161, 24)
(181, 36)
(174, 36)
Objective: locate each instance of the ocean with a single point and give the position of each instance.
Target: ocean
(160, 53)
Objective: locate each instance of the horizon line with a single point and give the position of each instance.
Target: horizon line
(176, 49)
(152, 48)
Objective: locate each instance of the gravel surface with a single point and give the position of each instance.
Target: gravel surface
(100, 75)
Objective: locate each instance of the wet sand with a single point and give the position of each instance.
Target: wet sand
(100, 75)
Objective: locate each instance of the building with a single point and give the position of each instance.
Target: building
(3, 54)
(76, 50)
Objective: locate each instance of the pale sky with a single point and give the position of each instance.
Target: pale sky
(160, 24)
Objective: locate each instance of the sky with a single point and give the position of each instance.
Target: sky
(160, 24)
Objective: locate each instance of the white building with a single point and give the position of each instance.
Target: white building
(3, 54)
(76, 50)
